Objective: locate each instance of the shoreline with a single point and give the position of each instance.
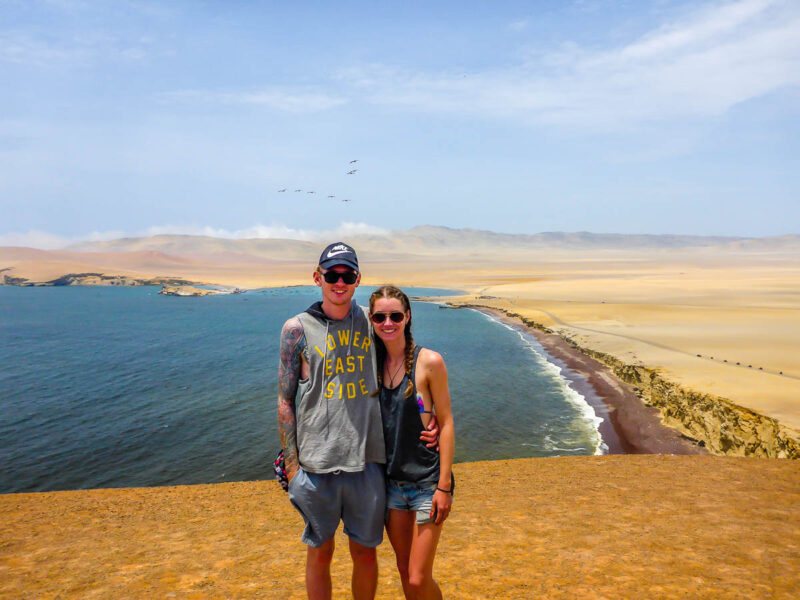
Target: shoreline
(658, 415)
(629, 426)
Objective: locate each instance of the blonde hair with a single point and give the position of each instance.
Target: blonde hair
(390, 291)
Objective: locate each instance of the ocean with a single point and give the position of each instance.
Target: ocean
(119, 387)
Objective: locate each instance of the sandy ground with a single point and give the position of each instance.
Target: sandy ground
(606, 527)
(727, 330)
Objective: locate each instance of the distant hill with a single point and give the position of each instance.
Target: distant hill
(767, 244)
(256, 262)
(197, 245)
(444, 237)
(429, 239)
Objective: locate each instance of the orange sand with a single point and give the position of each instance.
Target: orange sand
(611, 527)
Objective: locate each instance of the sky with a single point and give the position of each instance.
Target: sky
(128, 118)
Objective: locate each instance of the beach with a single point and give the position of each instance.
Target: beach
(629, 426)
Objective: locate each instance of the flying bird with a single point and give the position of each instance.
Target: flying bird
(331, 196)
(353, 161)
(345, 199)
(283, 190)
(351, 172)
(298, 190)
(310, 192)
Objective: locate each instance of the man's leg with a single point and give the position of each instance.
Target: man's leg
(363, 508)
(318, 571)
(365, 571)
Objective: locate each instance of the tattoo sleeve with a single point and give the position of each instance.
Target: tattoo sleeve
(292, 344)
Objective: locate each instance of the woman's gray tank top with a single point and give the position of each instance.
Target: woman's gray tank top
(407, 457)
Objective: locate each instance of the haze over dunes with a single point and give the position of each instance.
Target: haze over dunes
(259, 262)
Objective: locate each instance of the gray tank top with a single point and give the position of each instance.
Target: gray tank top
(408, 459)
(338, 420)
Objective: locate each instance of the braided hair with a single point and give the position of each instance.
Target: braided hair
(390, 291)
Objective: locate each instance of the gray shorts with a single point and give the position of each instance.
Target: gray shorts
(357, 499)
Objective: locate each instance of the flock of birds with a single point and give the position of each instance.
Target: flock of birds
(350, 172)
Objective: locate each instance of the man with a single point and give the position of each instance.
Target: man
(330, 426)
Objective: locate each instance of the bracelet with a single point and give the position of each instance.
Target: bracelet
(445, 491)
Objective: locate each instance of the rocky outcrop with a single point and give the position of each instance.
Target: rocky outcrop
(91, 279)
(722, 426)
(715, 422)
(9, 280)
(188, 290)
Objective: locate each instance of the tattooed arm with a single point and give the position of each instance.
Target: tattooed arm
(291, 369)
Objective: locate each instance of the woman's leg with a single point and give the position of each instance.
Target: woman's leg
(424, 540)
(400, 529)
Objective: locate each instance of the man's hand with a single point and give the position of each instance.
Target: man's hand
(430, 435)
(290, 474)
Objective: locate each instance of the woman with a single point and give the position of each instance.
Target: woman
(412, 386)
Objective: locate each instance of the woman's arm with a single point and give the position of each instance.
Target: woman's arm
(436, 379)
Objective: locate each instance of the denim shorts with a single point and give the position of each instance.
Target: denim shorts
(405, 495)
(357, 499)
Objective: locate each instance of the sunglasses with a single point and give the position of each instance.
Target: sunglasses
(349, 277)
(379, 317)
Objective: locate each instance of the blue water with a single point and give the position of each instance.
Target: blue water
(112, 387)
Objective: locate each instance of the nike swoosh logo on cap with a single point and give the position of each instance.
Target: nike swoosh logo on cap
(331, 254)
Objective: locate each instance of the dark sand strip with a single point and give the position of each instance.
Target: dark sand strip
(629, 426)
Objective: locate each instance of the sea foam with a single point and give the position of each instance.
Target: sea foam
(565, 378)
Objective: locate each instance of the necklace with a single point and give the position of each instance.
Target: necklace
(396, 371)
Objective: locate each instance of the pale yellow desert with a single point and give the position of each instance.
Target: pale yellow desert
(664, 312)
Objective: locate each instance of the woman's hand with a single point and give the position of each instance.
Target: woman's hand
(441, 506)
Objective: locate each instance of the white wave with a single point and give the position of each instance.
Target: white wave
(563, 377)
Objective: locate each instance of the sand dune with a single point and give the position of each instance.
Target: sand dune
(622, 527)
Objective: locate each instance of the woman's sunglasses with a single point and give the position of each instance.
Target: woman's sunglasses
(349, 277)
(380, 317)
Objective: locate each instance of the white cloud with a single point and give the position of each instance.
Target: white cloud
(275, 231)
(70, 51)
(47, 241)
(21, 48)
(518, 25)
(702, 65)
(277, 99)
(35, 239)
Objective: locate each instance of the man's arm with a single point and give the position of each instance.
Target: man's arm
(430, 434)
(289, 372)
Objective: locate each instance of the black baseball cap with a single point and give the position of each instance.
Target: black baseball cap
(338, 253)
